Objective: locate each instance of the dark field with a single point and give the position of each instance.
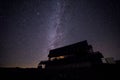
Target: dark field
(99, 72)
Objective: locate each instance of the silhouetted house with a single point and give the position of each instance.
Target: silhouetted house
(72, 56)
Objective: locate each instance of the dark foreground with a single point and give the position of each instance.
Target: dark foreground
(99, 72)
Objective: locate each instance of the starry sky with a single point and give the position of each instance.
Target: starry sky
(30, 28)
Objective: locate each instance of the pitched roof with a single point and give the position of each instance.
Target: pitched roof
(76, 48)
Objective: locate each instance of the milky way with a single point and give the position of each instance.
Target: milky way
(55, 35)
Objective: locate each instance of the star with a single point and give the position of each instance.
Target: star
(38, 13)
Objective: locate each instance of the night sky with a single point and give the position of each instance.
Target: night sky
(30, 28)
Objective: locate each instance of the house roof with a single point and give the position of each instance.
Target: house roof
(76, 48)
